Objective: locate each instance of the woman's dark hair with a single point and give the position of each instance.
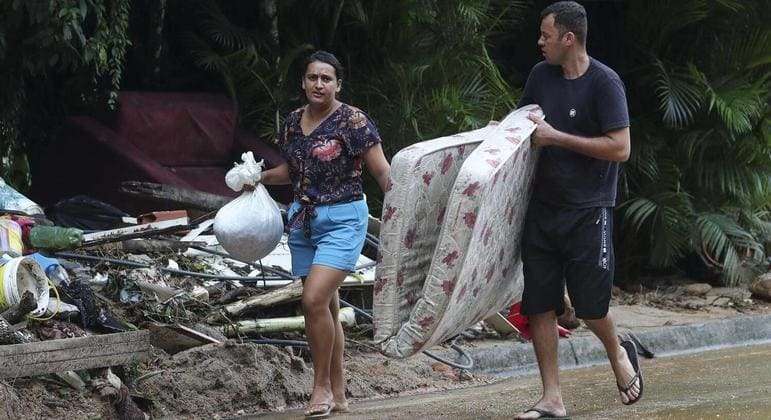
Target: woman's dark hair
(325, 57)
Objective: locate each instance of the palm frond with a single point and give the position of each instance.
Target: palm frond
(679, 94)
(220, 29)
(740, 178)
(203, 54)
(472, 12)
(753, 49)
(732, 5)
(739, 107)
(665, 217)
(722, 241)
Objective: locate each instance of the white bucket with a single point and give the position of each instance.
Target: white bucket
(19, 275)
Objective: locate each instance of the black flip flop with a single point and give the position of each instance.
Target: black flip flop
(546, 414)
(631, 352)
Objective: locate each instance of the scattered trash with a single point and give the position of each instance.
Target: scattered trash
(55, 272)
(55, 237)
(10, 199)
(19, 275)
(10, 238)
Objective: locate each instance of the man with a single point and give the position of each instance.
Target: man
(568, 228)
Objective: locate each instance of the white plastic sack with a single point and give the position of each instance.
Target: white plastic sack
(250, 226)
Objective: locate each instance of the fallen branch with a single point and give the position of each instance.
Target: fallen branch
(177, 196)
(289, 293)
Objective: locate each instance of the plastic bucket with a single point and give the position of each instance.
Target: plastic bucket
(19, 275)
(10, 238)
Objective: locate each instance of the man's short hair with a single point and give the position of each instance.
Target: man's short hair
(569, 16)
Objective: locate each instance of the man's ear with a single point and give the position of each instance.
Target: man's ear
(570, 38)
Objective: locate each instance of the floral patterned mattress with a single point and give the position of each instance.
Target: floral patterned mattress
(473, 269)
(422, 176)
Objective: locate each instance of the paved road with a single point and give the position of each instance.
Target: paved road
(720, 384)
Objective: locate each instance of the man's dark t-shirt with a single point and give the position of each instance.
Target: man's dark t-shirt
(588, 106)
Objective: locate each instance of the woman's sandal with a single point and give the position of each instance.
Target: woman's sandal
(631, 352)
(319, 411)
(546, 414)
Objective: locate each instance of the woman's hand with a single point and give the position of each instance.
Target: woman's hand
(276, 176)
(377, 165)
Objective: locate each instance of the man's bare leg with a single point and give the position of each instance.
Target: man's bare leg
(543, 328)
(605, 330)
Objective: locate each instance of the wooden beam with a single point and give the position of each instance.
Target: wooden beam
(289, 293)
(17, 360)
(177, 196)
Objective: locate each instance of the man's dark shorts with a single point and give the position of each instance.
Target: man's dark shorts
(573, 246)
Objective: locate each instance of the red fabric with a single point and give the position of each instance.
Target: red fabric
(522, 322)
(182, 139)
(178, 129)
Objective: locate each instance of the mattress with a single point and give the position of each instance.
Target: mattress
(422, 176)
(475, 268)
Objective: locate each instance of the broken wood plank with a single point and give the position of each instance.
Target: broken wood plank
(206, 224)
(176, 338)
(138, 231)
(289, 293)
(177, 196)
(18, 360)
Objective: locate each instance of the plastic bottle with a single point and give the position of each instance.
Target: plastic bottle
(55, 237)
(55, 272)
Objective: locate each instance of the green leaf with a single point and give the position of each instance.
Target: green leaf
(723, 241)
(679, 94)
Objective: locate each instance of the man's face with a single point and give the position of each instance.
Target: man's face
(552, 45)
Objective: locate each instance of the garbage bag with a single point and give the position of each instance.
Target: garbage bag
(250, 226)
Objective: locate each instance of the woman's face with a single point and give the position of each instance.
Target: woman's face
(320, 83)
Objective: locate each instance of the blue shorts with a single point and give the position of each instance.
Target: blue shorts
(337, 237)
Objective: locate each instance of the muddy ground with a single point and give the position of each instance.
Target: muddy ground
(228, 379)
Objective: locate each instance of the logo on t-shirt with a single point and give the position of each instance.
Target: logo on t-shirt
(572, 113)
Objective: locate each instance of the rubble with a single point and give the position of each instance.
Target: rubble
(168, 283)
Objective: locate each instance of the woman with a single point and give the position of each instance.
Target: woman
(325, 143)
